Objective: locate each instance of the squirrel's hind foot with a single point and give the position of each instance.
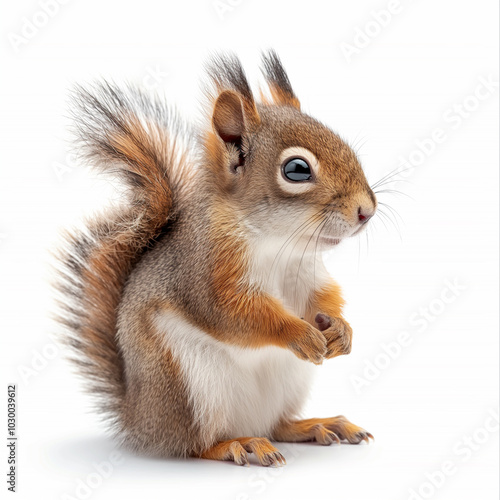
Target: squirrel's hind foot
(236, 450)
(322, 430)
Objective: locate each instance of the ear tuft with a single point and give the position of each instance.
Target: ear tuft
(279, 84)
(226, 73)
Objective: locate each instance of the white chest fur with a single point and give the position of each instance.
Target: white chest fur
(235, 392)
(239, 392)
(290, 272)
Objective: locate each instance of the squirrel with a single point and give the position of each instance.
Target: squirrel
(198, 308)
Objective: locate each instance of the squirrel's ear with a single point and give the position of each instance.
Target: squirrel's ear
(279, 84)
(233, 116)
(227, 118)
(234, 110)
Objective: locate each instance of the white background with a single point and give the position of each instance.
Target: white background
(397, 90)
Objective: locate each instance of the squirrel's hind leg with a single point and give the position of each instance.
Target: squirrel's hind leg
(323, 430)
(237, 450)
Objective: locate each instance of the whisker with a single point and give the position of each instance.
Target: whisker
(381, 220)
(394, 223)
(296, 234)
(390, 181)
(359, 253)
(359, 144)
(321, 224)
(393, 211)
(391, 174)
(393, 191)
(356, 141)
(327, 221)
(367, 242)
(388, 218)
(320, 214)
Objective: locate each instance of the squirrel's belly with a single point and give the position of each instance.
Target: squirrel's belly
(235, 391)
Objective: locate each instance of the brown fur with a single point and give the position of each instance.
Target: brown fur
(155, 390)
(97, 262)
(180, 244)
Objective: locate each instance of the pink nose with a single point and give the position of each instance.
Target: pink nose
(364, 214)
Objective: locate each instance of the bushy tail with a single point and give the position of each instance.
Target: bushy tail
(137, 139)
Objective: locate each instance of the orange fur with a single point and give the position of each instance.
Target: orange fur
(328, 300)
(237, 451)
(283, 99)
(323, 430)
(261, 319)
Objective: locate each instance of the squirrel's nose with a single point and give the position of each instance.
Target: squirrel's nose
(365, 214)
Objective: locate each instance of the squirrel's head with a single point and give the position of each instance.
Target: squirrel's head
(281, 170)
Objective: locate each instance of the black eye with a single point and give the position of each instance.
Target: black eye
(297, 170)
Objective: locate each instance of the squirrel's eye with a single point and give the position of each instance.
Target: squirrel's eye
(297, 170)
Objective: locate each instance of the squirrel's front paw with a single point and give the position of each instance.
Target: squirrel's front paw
(338, 335)
(311, 345)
